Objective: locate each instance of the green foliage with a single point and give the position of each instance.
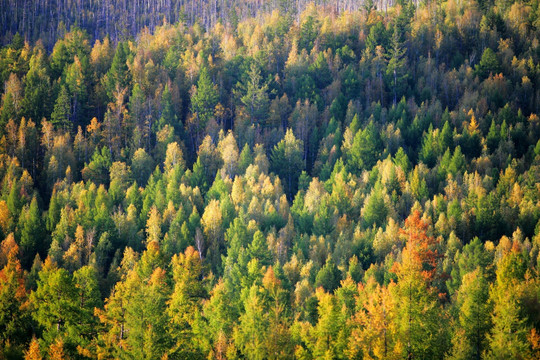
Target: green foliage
(253, 94)
(31, 234)
(488, 65)
(97, 170)
(328, 277)
(61, 114)
(204, 99)
(118, 77)
(470, 340)
(366, 149)
(295, 185)
(287, 161)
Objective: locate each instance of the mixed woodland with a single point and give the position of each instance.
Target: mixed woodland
(329, 183)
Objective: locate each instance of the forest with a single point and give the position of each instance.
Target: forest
(276, 182)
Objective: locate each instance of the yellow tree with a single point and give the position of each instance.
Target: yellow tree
(185, 305)
(153, 226)
(33, 352)
(374, 332)
(14, 318)
(212, 221)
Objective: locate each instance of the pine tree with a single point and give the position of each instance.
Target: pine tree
(36, 101)
(251, 333)
(366, 149)
(204, 98)
(474, 320)
(54, 301)
(33, 352)
(419, 314)
(61, 114)
(185, 305)
(8, 111)
(253, 94)
(287, 161)
(118, 76)
(375, 210)
(258, 249)
(396, 70)
(328, 337)
(146, 316)
(87, 297)
(168, 116)
(77, 87)
(492, 137)
(488, 64)
(14, 317)
(508, 338)
(32, 241)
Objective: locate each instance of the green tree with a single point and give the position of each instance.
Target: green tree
(251, 333)
(36, 101)
(397, 71)
(87, 297)
(77, 87)
(508, 338)
(287, 161)
(61, 114)
(118, 76)
(253, 94)
(54, 301)
(329, 276)
(474, 320)
(97, 170)
(185, 305)
(366, 149)
(375, 210)
(146, 317)
(31, 238)
(204, 98)
(328, 338)
(258, 249)
(168, 116)
(489, 64)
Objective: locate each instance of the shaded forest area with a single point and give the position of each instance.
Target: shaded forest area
(49, 20)
(328, 185)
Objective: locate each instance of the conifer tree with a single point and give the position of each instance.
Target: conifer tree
(396, 70)
(418, 309)
(474, 323)
(508, 338)
(36, 101)
(61, 114)
(118, 76)
(253, 94)
(287, 161)
(185, 305)
(32, 239)
(33, 352)
(204, 98)
(14, 315)
(366, 149)
(54, 301)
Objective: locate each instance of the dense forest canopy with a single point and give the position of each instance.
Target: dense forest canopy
(319, 184)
